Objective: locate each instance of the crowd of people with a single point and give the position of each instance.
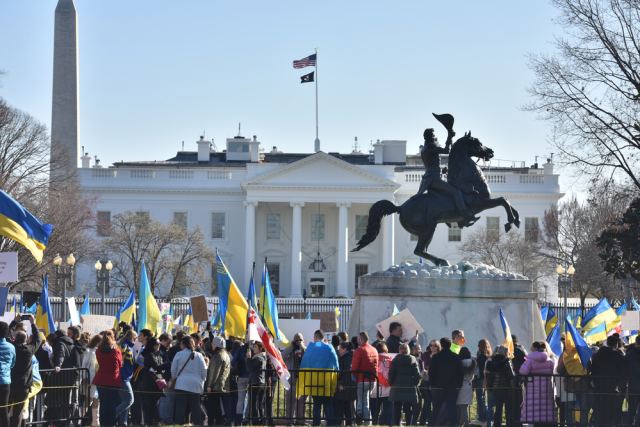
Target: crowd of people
(126, 378)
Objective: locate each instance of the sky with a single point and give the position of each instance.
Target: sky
(156, 73)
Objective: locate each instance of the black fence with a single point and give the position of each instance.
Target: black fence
(63, 398)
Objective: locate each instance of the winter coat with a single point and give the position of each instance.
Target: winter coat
(365, 360)
(109, 364)
(292, 356)
(538, 403)
(90, 363)
(152, 370)
(67, 353)
(393, 344)
(346, 389)
(608, 370)
(257, 366)
(445, 371)
(633, 367)
(465, 395)
(218, 371)
(383, 388)
(481, 361)
(498, 373)
(194, 371)
(404, 378)
(7, 360)
(239, 362)
(22, 372)
(126, 347)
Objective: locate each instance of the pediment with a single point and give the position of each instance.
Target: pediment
(321, 170)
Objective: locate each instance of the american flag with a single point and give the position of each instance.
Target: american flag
(309, 61)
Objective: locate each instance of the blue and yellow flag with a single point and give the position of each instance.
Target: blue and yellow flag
(508, 340)
(600, 313)
(554, 340)
(127, 310)
(148, 312)
(550, 321)
(44, 314)
(269, 311)
(18, 224)
(189, 323)
(318, 375)
(577, 353)
(252, 298)
(233, 307)
(85, 308)
(596, 334)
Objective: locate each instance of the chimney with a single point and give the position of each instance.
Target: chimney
(548, 167)
(86, 160)
(378, 153)
(204, 149)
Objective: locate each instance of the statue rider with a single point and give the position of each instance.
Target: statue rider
(432, 180)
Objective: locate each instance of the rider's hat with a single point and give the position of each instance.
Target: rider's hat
(445, 119)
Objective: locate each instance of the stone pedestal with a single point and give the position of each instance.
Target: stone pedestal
(465, 296)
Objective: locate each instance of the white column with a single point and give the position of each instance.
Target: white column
(342, 263)
(249, 240)
(388, 242)
(296, 250)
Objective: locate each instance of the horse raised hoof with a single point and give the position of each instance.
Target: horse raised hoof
(507, 227)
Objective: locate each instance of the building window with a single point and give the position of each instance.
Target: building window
(103, 223)
(531, 229)
(361, 270)
(455, 233)
(317, 227)
(180, 219)
(361, 225)
(493, 227)
(218, 225)
(274, 276)
(273, 226)
(143, 216)
(413, 237)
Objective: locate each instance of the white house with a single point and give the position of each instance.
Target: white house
(294, 208)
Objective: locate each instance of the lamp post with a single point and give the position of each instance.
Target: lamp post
(565, 278)
(103, 276)
(64, 272)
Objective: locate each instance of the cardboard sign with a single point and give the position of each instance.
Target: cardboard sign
(631, 320)
(73, 311)
(306, 327)
(8, 267)
(327, 319)
(94, 323)
(409, 325)
(199, 309)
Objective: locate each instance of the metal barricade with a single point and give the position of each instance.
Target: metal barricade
(63, 399)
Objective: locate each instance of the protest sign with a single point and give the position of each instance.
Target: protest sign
(199, 309)
(8, 267)
(73, 311)
(631, 320)
(305, 326)
(327, 319)
(409, 325)
(94, 323)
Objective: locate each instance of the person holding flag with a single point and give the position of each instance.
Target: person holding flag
(269, 308)
(149, 313)
(233, 308)
(609, 375)
(7, 362)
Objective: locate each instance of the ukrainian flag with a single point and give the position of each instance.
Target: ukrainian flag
(189, 323)
(596, 334)
(600, 313)
(577, 353)
(508, 340)
(85, 309)
(148, 312)
(44, 314)
(616, 324)
(233, 307)
(318, 374)
(127, 310)
(252, 298)
(554, 340)
(18, 224)
(550, 321)
(269, 311)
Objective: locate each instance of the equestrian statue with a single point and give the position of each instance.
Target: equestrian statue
(464, 194)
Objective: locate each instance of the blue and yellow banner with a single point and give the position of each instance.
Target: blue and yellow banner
(44, 314)
(148, 311)
(18, 224)
(233, 307)
(318, 374)
(269, 308)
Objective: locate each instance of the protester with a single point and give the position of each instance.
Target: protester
(403, 378)
(365, 366)
(482, 355)
(379, 399)
(519, 355)
(609, 373)
(425, 410)
(633, 368)
(499, 382)
(256, 365)
(7, 362)
(241, 373)
(445, 379)
(126, 345)
(458, 340)
(21, 373)
(395, 337)
(217, 384)
(539, 406)
(107, 378)
(65, 360)
(345, 397)
(150, 377)
(90, 363)
(189, 371)
(465, 395)
(292, 356)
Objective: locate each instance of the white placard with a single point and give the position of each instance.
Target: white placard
(409, 325)
(8, 267)
(27, 326)
(74, 316)
(210, 309)
(631, 321)
(94, 323)
(63, 326)
(307, 327)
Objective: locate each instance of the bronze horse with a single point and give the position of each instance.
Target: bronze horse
(422, 213)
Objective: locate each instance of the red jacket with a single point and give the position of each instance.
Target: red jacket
(365, 360)
(109, 364)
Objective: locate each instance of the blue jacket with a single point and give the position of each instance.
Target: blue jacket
(127, 360)
(7, 361)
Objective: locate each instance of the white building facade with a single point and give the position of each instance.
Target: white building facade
(293, 209)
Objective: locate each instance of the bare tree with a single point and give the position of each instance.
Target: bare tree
(173, 255)
(590, 90)
(24, 174)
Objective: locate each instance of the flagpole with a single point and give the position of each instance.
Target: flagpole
(317, 141)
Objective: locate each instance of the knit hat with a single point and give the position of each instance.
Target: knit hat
(218, 342)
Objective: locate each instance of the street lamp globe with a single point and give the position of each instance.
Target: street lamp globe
(71, 260)
(560, 269)
(57, 261)
(109, 265)
(98, 265)
(571, 270)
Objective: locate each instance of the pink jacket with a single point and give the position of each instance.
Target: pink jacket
(538, 403)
